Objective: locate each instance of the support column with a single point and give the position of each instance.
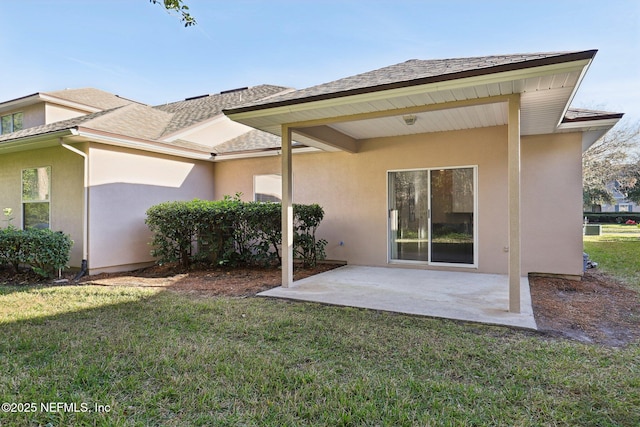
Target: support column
(513, 165)
(287, 209)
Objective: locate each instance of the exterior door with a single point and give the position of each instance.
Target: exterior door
(452, 216)
(432, 216)
(409, 215)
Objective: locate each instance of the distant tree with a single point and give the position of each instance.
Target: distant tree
(610, 159)
(631, 183)
(179, 7)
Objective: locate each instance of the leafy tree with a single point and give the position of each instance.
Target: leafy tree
(179, 7)
(610, 159)
(631, 183)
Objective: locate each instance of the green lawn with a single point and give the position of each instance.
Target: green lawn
(160, 358)
(617, 252)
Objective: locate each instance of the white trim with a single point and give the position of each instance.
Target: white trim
(573, 92)
(586, 125)
(222, 157)
(279, 175)
(71, 104)
(565, 67)
(85, 203)
(141, 145)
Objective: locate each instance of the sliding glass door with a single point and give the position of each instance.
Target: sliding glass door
(432, 216)
(409, 215)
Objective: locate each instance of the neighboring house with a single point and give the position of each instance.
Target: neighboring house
(469, 164)
(94, 170)
(622, 204)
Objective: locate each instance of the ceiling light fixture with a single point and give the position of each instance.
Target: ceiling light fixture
(410, 119)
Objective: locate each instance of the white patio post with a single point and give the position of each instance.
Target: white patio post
(287, 209)
(514, 201)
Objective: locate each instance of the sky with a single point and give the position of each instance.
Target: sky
(140, 51)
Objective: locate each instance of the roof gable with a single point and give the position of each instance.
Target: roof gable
(91, 97)
(198, 109)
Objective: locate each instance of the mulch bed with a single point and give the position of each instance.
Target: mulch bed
(596, 310)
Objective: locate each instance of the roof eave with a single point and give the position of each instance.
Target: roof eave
(535, 63)
(158, 147)
(35, 142)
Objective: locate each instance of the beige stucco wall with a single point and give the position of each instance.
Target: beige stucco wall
(44, 113)
(552, 204)
(56, 113)
(66, 190)
(123, 185)
(352, 189)
(32, 115)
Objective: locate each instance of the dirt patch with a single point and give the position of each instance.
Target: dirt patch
(595, 310)
(235, 282)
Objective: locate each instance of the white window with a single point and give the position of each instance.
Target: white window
(11, 123)
(36, 197)
(267, 188)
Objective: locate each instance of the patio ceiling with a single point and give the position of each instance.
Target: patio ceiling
(338, 122)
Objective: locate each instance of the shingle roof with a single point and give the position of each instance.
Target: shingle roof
(414, 72)
(92, 97)
(51, 127)
(145, 122)
(250, 141)
(191, 111)
(581, 114)
(134, 120)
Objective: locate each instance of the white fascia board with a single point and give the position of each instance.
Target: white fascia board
(566, 67)
(20, 102)
(34, 142)
(39, 97)
(586, 125)
(70, 104)
(151, 146)
(585, 68)
(249, 155)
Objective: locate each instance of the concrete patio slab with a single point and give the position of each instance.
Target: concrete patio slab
(467, 296)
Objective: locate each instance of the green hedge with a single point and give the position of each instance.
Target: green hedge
(231, 232)
(612, 217)
(45, 251)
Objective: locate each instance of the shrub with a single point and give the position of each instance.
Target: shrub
(45, 251)
(230, 231)
(612, 217)
(181, 228)
(307, 218)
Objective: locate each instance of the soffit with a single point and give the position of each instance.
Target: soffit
(545, 95)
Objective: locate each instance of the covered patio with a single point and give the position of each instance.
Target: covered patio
(435, 119)
(472, 297)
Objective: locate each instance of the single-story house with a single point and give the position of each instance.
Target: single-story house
(469, 164)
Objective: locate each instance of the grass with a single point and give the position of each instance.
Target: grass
(162, 358)
(617, 252)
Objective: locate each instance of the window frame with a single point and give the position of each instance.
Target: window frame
(277, 196)
(26, 201)
(12, 122)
